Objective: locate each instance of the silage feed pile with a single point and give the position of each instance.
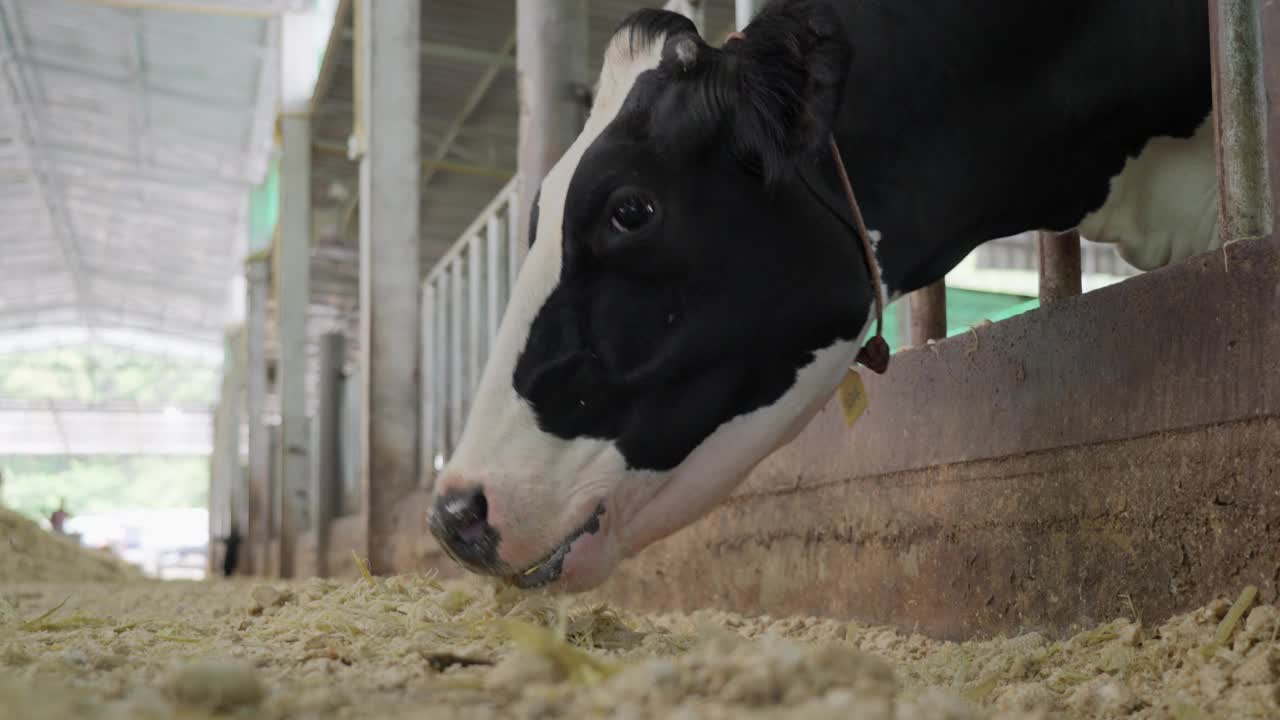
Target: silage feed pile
(413, 647)
(28, 553)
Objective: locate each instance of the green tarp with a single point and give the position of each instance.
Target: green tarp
(264, 208)
(965, 308)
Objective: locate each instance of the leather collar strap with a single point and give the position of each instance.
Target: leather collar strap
(875, 353)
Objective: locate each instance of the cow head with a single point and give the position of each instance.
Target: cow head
(685, 308)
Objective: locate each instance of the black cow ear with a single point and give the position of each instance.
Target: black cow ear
(683, 51)
(790, 66)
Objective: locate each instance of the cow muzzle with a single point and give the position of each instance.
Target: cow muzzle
(460, 522)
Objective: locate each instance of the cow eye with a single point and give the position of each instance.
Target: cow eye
(632, 213)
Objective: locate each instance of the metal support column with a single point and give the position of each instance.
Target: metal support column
(326, 492)
(552, 72)
(255, 409)
(743, 11)
(220, 512)
(1059, 265)
(695, 10)
(928, 313)
(294, 300)
(387, 47)
(1240, 119)
(228, 501)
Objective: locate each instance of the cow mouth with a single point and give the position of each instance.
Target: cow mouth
(548, 569)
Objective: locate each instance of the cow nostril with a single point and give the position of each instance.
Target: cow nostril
(466, 516)
(459, 520)
(473, 525)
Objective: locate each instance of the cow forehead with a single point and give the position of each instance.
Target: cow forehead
(626, 59)
(498, 410)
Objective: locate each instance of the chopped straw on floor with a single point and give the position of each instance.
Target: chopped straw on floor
(416, 646)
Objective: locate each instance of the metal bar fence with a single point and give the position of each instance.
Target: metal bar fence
(463, 299)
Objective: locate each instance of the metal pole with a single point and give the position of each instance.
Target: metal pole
(427, 408)
(457, 351)
(217, 479)
(326, 491)
(274, 486)
(225, 460)
(929, 313)
(743, 11)
(255, 408)
(475, 314)
(1059, 265)
(294, 301)
(903, 306)
(440, 372)
(388, 40)
(695, 10)
(552, 72)
(515, 238)
(494, 278)
(1240, 120)
(239, 450)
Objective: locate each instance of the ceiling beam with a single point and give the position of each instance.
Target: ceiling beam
(156, 263)
(469, 105)
(151, 277)
(120, 167)
(20, 98)
(257, 157)
(431, 134)
(92, 77)
(139, 89)
(499, 173)
(30, 316)
(430, 128)
(339, 33)
(142, 212)
(454, 52)
(44, 336)
(159, 324)
(210, 7)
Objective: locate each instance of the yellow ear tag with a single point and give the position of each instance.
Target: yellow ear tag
(853, 397)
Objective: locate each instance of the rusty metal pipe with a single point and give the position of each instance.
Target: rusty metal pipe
(1059, 265)
(928, 307)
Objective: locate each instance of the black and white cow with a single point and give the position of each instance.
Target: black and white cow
(695, 291)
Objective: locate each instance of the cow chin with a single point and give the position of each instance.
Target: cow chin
(648, 509)
(590, 561)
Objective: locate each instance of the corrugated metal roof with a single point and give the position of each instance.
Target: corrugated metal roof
(130, 135)
(132, 131)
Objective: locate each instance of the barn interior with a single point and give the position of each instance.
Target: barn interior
(211, 377)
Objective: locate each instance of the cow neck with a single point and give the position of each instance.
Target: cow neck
(874, 353)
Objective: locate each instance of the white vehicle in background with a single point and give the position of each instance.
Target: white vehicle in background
(167, 544)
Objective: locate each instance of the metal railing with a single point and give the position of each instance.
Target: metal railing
(463, 299)
(351, 491)
(1021, 252)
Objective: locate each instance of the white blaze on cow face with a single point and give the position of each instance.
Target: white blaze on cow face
(540, 489)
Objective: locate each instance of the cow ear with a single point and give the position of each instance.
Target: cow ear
(790, 66)
(683, 51)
